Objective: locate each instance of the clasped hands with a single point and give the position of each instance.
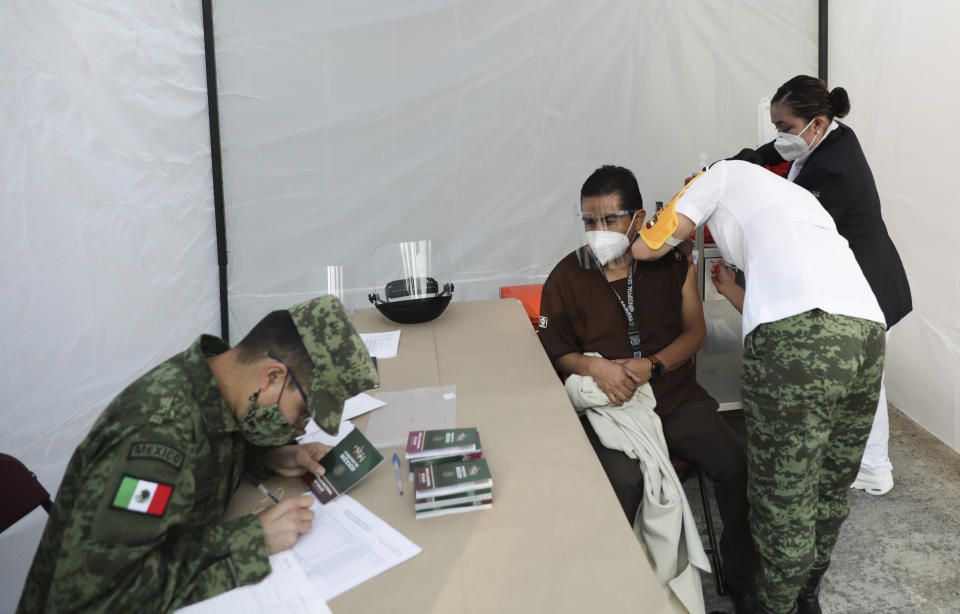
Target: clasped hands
(620, 378)
(290, 518)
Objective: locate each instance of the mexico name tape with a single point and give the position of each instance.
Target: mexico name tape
(156, 451)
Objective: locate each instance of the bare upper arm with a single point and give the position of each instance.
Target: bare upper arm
(692, 306)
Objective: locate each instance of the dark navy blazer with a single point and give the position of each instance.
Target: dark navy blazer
(837, 173)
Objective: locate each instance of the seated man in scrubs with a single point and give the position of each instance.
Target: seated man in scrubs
(588, 304)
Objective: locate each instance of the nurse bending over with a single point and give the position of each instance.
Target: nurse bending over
(813, 357)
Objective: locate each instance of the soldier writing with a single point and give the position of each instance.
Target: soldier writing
(137, 520)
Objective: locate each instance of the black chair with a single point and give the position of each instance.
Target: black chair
(684, 470)
(22, 492)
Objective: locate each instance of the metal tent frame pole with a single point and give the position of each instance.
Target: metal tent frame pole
(216, 161)
(216, 164)
(822, 40)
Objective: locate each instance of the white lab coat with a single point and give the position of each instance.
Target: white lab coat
(664, 524)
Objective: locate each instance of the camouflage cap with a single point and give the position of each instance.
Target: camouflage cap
(342, 367)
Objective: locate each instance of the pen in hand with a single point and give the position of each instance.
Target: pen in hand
(396, 470)
(261, 487)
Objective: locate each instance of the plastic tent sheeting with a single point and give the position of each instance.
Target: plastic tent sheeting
(899, 64)
(351, 124)
(347, 124)
(108, 260)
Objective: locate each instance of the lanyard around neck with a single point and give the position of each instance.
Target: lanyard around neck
(629, 308)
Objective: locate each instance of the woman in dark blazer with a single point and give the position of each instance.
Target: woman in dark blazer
(826, 159)
(835, 170)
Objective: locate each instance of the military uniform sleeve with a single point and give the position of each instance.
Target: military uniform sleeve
(255, 461)
(240, 545)
(146, 530)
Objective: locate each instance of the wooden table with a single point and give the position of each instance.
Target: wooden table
(555, 540)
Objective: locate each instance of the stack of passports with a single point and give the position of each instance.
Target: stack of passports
(452, 487)
(426, 448)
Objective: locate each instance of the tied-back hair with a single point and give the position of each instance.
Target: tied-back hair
(609, 179)
(744, 155)
(747, 155)
(807, 97)
(277, 333)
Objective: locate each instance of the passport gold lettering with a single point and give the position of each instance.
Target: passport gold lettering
(348, 461)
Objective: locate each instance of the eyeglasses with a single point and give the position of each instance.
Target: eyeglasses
(293, 377)
(612, 218)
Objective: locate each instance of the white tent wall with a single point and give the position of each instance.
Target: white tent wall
(350, 124)
(109, 254)
(897, 62)
(346, 124)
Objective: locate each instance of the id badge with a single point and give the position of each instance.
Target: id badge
(635, 344)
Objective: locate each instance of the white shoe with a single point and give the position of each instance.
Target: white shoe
(874, 484)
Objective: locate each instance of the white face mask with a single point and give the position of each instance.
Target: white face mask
(792, 146)
(607, 245)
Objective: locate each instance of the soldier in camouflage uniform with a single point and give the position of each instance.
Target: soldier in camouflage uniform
(136, 523)
(810, 385)
(813, 356)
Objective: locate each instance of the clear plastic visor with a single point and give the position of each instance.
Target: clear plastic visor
(605, 233)
(412, 280)
(613, 221)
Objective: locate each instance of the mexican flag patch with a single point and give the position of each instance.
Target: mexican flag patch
(142, 496)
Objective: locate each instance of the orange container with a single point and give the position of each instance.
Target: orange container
(529, 295)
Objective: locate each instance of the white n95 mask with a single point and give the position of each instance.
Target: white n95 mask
(607, 245)
(791, 146)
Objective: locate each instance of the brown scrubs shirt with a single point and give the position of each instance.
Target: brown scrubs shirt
(580, 313)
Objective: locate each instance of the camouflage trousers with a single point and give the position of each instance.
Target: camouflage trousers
(810, 388)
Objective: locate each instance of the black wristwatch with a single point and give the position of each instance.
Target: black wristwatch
(656, 367)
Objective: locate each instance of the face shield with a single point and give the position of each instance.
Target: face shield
(412, 280)
(606, 231)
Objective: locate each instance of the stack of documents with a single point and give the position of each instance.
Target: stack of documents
(353, 407)
(452, 488)
(382, 345)
(442, 446)
(287, 589)
(346, 546)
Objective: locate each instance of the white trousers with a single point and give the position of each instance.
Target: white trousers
(875, 461)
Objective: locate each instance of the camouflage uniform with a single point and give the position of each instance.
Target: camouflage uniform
(342, 368)
(810, 387)
(173, 429)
